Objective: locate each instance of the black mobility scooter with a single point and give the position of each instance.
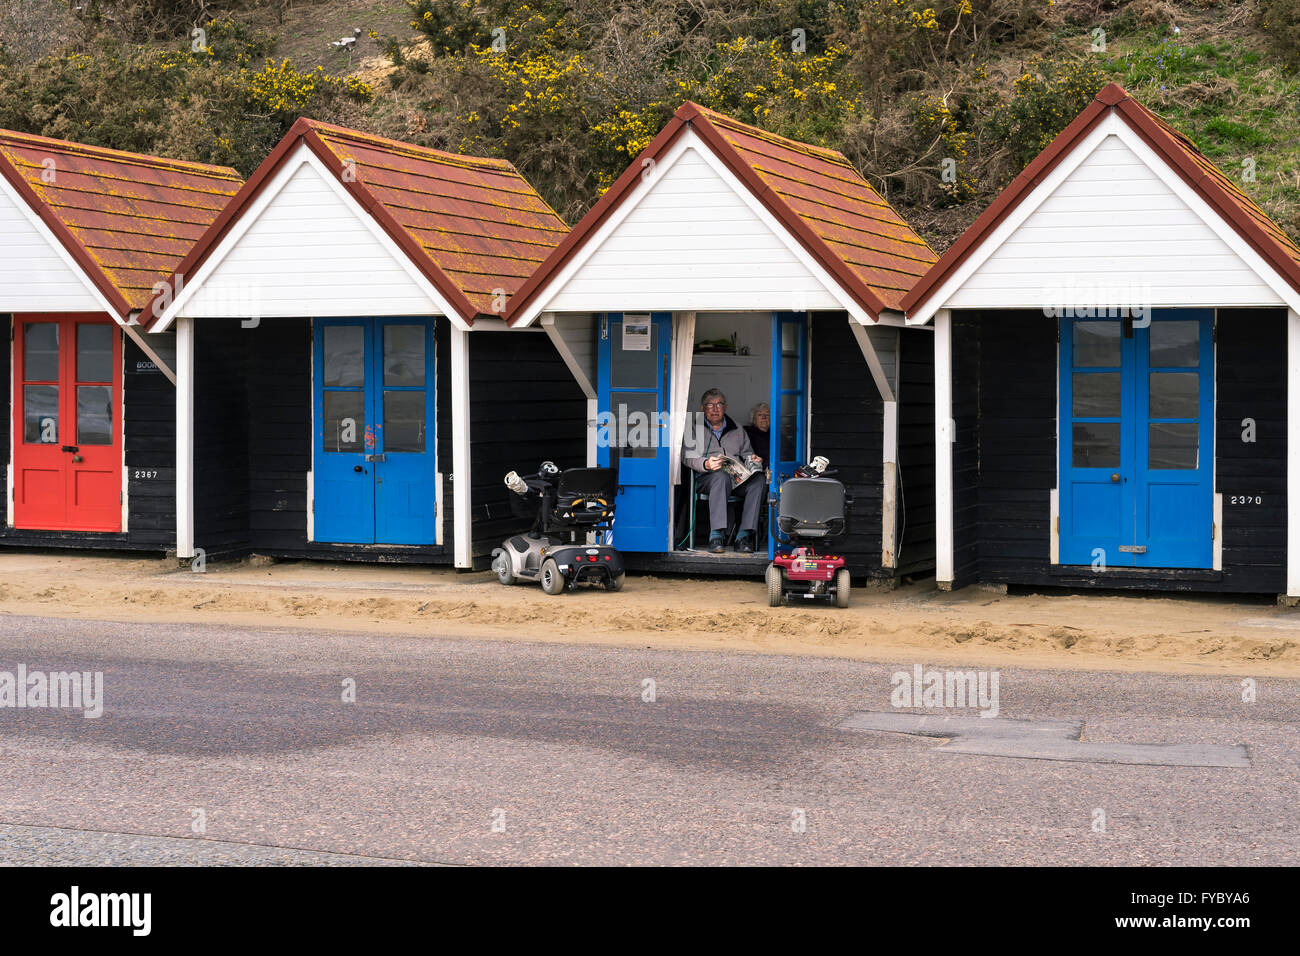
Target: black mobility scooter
(563, 505)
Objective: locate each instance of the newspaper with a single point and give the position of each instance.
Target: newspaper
(740, 471)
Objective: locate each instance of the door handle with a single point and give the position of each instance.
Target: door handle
(1115, 477)
(358, 469)
(76, 459)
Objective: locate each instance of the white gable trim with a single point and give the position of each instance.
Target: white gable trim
(1112, 125)
(61, 251)
(263, 201)
(688, 141)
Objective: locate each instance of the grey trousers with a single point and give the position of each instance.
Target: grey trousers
(717, 484)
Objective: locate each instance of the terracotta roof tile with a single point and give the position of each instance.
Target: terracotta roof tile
(127, 219)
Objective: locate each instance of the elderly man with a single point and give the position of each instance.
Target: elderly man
(715, 435)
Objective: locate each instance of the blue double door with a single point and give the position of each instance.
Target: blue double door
(634, 369)
(1137, 441)
(374, 471)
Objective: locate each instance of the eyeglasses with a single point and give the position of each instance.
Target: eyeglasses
(716, 405)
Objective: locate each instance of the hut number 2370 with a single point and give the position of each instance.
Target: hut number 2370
(1246, 499)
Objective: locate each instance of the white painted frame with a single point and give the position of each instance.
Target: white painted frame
(462, 545)
(249, 216)
(944, 434)
(688, 141)
(1111, 126)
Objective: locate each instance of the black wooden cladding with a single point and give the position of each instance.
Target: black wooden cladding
(253, 443)
(915, 535)
(1005, 459)
(149, 444)
(848, 428)
(1250, 383)
(525, 407)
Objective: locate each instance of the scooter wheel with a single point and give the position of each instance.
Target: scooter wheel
(775, 586)
(551, 577)
(501, 565)
(842, 585)
(615, 582)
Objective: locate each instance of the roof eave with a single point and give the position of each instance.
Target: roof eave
(121, 308)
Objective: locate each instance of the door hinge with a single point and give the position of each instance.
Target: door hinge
(1214, 530)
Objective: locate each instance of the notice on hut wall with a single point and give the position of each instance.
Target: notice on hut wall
(636, 336)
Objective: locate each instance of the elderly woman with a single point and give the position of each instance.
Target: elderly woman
(759, 431)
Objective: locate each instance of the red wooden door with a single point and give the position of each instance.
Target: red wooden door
(67, 428)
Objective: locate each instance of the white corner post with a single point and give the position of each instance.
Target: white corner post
(185, 437)
(1292, 455)
(889, 422)
(943, 440)
(462, 545)
(889, 491)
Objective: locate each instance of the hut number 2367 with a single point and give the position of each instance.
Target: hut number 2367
(143, 473)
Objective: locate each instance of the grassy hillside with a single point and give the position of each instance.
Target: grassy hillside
(939, 103)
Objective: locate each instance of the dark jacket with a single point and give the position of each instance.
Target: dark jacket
(761, 442)
(699, 442)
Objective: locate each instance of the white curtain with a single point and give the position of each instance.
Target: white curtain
(679, 399)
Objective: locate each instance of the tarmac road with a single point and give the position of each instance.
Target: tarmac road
(462, 751)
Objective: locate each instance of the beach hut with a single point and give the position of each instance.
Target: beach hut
(728, 257)
(1117, 367)
(90, 425)
(332, 400)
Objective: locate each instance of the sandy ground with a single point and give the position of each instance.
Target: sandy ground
(913, 623)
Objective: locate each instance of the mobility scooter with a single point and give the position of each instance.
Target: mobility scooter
(811, 510)
(563, 506)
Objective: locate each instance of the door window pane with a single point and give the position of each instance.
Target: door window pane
(1096, 394)
(404, 421)
(344, 423)
(634, 368)
(789, 426)
(636, 421)
(94, 415)
(41, 414)
(404, 355)
(94, 352)
(1172, 444)
(41, 351)
(344, 355)
(1175, 344)
(1175, 394)
(1096, 444)
(1096, 344)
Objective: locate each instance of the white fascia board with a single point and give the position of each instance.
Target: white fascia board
(1112, 125)
(688, 141)
(1220, 226)
(60, 250)
(1007, 227)
(303, 156)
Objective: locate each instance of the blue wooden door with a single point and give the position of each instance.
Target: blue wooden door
(788, 401)
(343, 480)
(403, 404)
(374, 473)
(1136, 449)
(633, 376)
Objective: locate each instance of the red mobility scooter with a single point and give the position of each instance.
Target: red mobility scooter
(810, 510)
